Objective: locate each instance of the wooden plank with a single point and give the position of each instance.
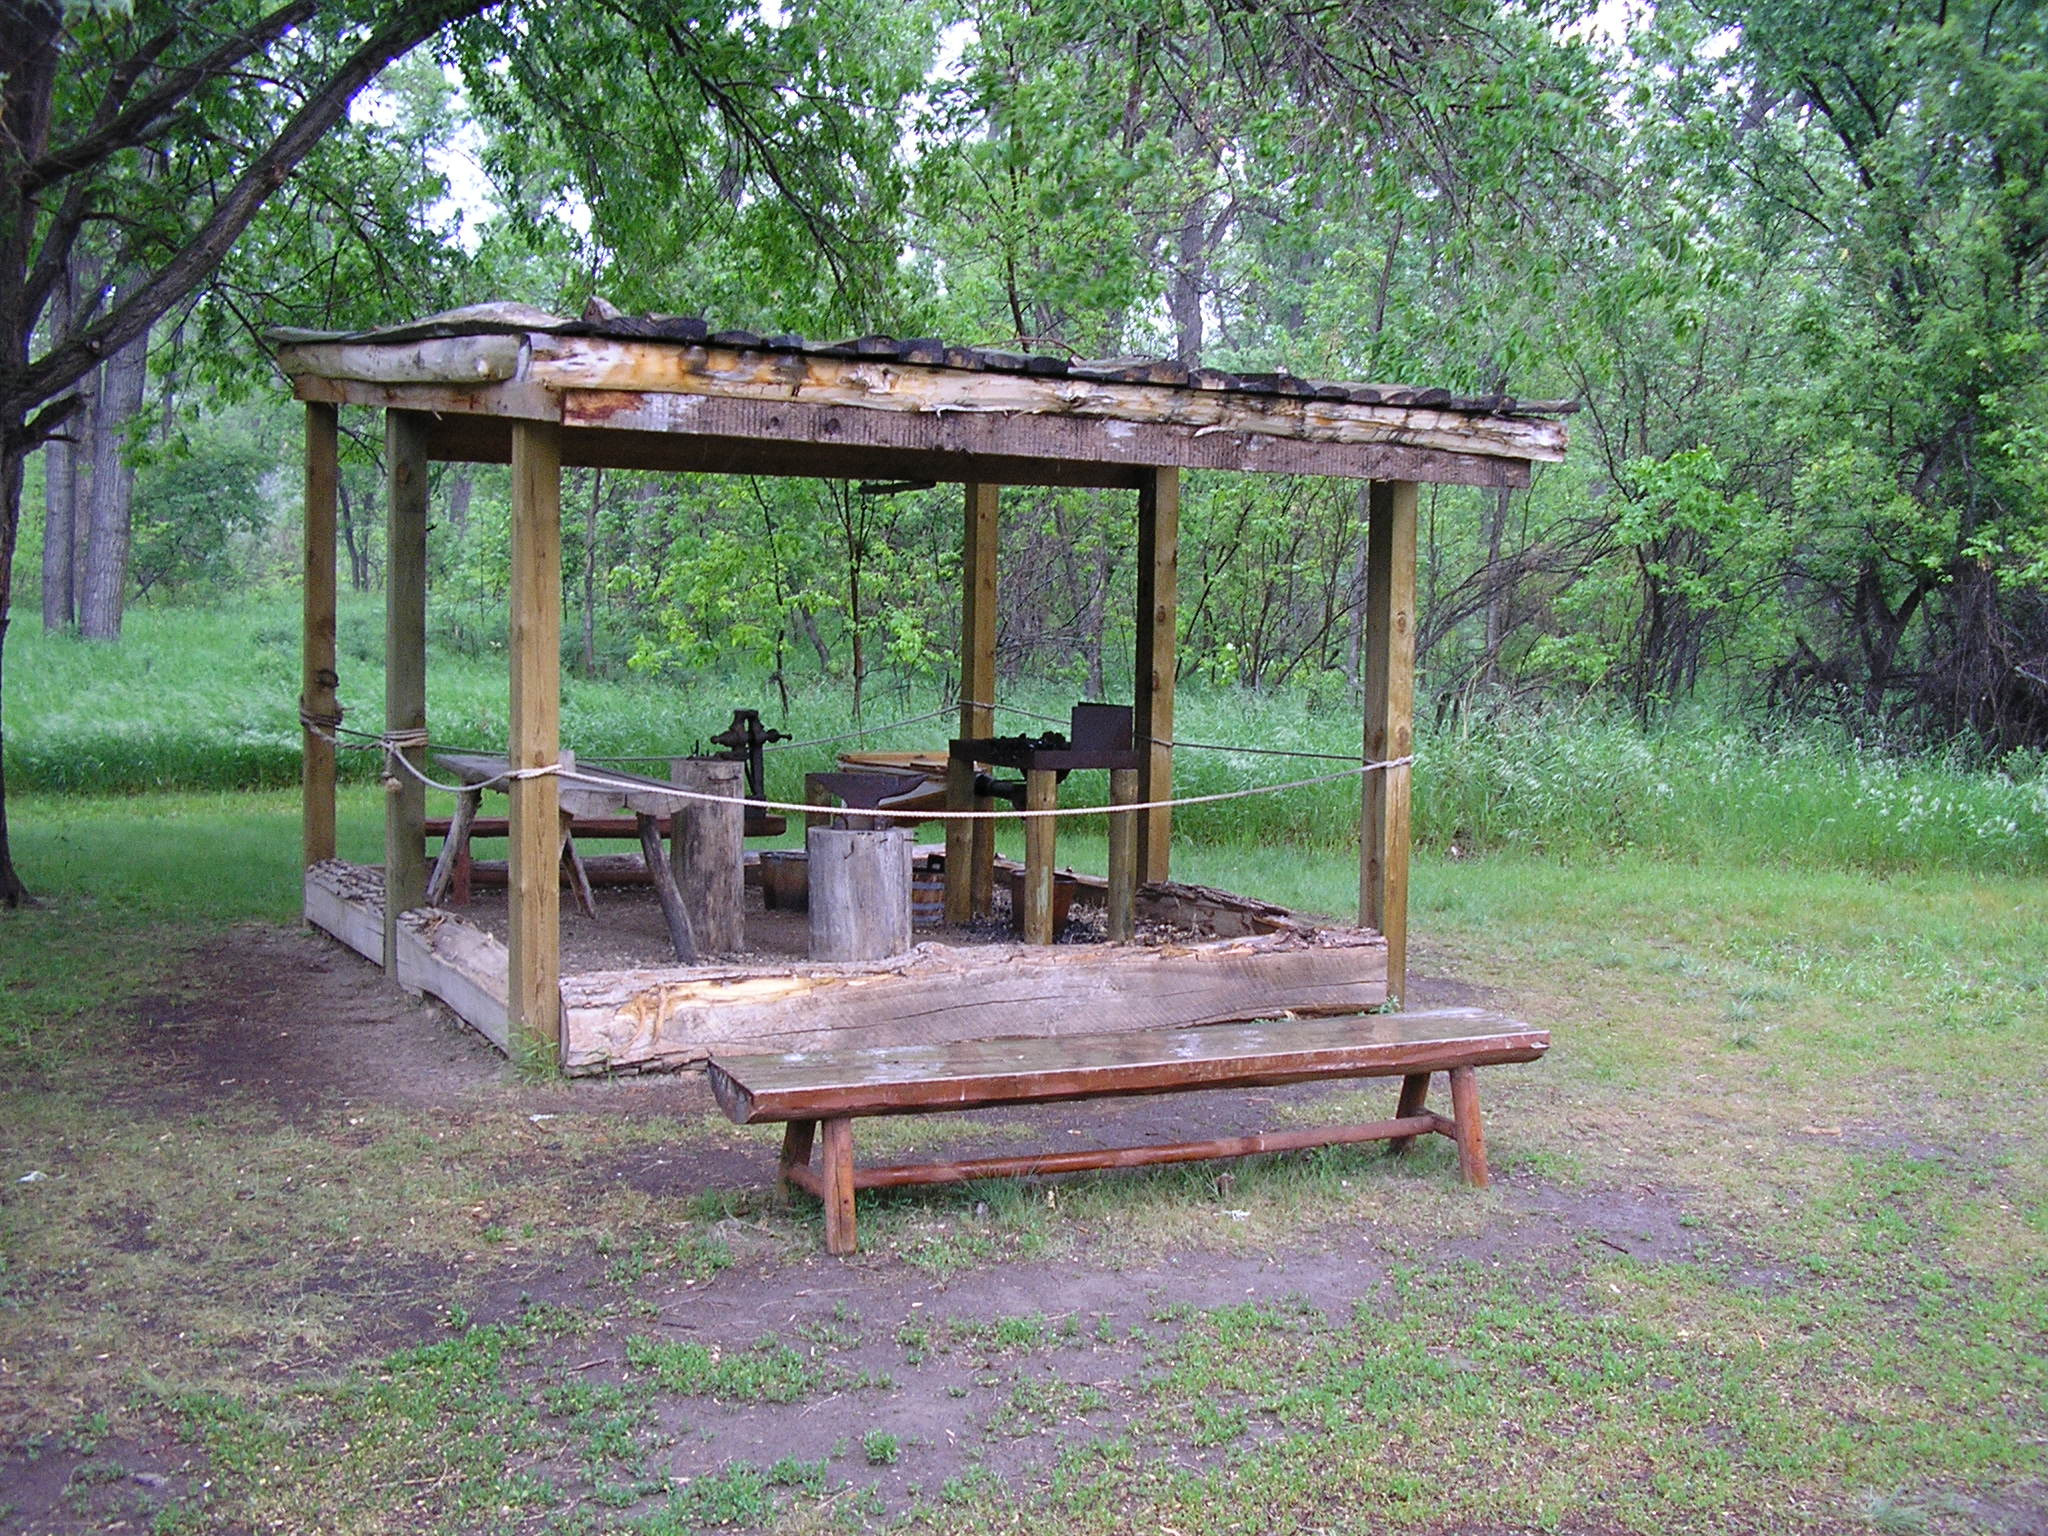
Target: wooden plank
(662, 1019)
(1041, 793)
(977, 1074)
(1005, 448)
(970, 846)
(318, 680)
(654, 371)
(747, 437)
(1028, 1164)
(1383, 829)
(405, 668)
(1158, 600)
(534, 951)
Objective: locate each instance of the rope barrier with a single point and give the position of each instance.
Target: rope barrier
(395, 743)
(576, 775)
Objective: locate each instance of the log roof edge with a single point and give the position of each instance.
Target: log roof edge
(600, 321)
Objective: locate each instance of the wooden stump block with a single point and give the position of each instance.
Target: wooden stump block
(860, 892)
(709, 853)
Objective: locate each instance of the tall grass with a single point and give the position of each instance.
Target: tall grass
(207, 700)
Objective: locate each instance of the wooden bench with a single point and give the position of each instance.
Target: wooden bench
(835, 1088)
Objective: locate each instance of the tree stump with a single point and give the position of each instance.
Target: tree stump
(860, 892)
(708, 853)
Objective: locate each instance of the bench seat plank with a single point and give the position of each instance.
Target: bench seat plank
(980, 1073)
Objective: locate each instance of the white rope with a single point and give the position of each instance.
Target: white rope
(577, 775)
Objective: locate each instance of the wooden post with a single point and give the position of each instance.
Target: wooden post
(1158, 603)
(797, 1137)
(454, 847)
(1389, 721)
(1041, 793)
(860, 892)
(1123, 857)
(535, 945)
(318, 679)
(709, 853)
(1414, 1099)
(840, 1234)
(681, 932)
(970, 845)
(405, 668)
(1470, 1132)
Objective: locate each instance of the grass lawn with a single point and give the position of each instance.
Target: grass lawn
(1768, 1249)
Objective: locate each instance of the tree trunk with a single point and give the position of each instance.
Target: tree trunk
(1498, 589)
(80, 428)
(60, 480)
(590, 573)
(12, 892)
(113, 487)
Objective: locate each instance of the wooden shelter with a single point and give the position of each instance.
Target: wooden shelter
(506, 384)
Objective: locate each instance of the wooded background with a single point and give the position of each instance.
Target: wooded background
(1789, 255)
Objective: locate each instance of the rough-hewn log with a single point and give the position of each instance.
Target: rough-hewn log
(452, 360)
(655, 370)
(658, 1020)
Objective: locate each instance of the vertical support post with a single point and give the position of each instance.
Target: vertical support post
(797, 1138)
(1123, 857)
(841, 1237)
(1041, 793)
(971, 844)
(1158, 605)
(318, 679)
(1389, 721)
(1469, 1132)
(405, 667)
(535, 947)
(1414, 1099)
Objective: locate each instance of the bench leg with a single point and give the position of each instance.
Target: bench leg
(840, 1237)
(1414, 1097)
(797, 1137)
(1470, 1134)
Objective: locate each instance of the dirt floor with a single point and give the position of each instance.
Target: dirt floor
(282, 1027)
